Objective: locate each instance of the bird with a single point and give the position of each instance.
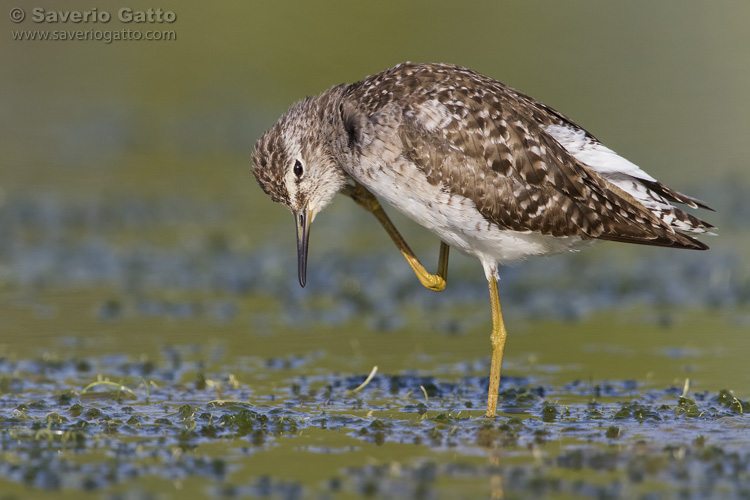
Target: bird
(489, 170)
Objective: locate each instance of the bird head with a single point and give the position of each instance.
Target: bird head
(295, 166)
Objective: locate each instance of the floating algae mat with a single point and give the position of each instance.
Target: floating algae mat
(197, 420)
(144, 354)
(388, 440)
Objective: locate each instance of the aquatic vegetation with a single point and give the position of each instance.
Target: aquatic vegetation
(551, 435)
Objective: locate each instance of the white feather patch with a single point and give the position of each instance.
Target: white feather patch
(594, 154)
(432, 114)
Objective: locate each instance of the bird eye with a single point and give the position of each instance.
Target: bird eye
(298, 170)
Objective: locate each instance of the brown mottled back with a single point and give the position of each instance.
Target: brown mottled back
(478, 138)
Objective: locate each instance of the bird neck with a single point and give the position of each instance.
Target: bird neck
(331, 132)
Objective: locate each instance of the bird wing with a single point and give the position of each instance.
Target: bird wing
(520, 178)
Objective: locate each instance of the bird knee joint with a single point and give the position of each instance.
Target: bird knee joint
(497, 340)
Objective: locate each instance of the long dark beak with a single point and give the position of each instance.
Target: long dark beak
(303, 235)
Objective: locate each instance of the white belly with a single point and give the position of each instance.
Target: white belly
(455, 219)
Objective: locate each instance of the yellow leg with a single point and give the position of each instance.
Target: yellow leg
(497, 339)
(435, 282)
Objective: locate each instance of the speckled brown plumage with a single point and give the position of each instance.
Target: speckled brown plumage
(493, 150)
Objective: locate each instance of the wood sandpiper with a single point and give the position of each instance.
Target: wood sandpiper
(489, 170)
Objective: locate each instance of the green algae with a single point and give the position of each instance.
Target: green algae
(380, 443)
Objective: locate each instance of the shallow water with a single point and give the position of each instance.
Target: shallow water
(201, 416)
